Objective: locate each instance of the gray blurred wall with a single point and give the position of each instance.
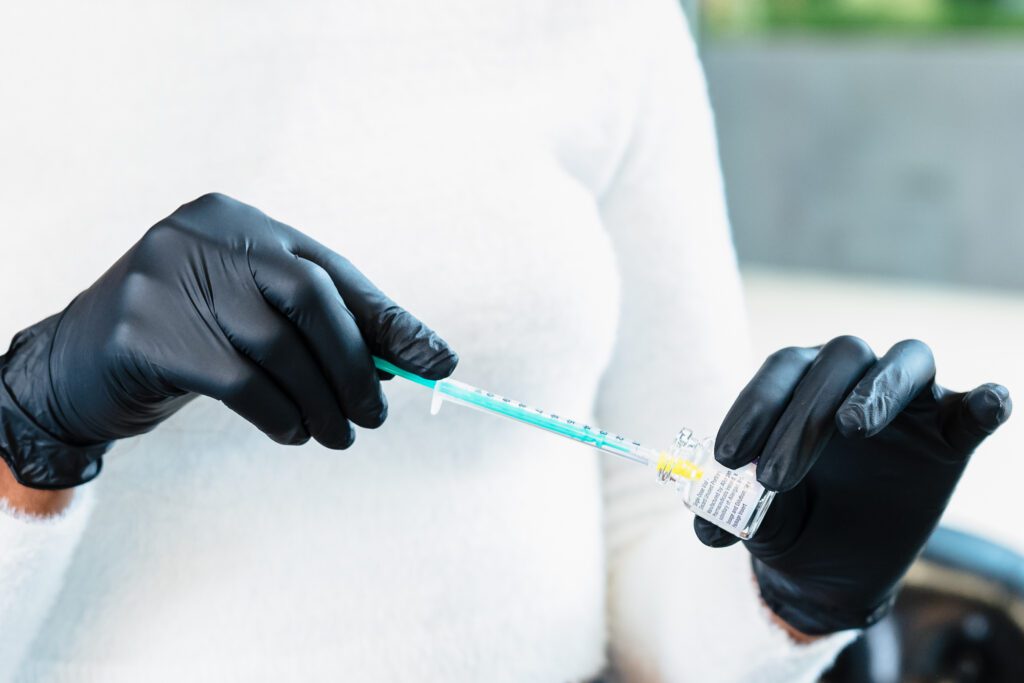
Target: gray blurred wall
(875, 156)
(692, 9)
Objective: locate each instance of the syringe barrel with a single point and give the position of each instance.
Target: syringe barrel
(486, 401)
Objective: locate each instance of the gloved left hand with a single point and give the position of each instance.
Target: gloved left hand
(866, 454)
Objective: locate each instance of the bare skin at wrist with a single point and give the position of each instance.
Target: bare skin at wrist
(32, 501)
(794, 635)
(797, 637)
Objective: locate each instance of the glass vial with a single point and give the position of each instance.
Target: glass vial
(730, 499)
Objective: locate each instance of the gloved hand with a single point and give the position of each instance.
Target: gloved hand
(217, 299)
(866, 454)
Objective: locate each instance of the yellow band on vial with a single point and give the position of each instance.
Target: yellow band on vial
(680, 467)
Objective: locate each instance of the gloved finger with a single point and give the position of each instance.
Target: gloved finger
(978, 414)
(390, 331)
(711, 535)
(270, 340)
(228, 376)
(783, 524)
(888, 387)
(750, 420)
(808, 422)
(304, 293)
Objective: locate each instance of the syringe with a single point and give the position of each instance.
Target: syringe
(732, 499)
(489, 402)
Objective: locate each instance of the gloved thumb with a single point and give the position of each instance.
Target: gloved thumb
(390, 331)
(712, 535)
(399, 337)
(976, 416)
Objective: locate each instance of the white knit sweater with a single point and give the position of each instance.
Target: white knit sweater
(537, 179)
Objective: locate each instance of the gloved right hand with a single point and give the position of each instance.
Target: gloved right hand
(216, 299)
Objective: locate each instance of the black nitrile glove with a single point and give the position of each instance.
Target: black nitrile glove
(217, 299)
(866, 453)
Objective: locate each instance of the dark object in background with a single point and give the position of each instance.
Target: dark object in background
(959, 619)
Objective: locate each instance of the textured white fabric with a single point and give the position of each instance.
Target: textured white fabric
(34, 554)
(537, 179)
(677, 611)
(685, 614)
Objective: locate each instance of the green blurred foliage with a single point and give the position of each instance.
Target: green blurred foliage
(903, 16)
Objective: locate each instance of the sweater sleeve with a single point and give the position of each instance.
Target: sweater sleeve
(678, 611)
(34, 555)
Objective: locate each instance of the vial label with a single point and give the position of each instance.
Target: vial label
(726, 498)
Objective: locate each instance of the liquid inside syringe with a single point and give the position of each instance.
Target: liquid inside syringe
(480, 399)
(732, 499)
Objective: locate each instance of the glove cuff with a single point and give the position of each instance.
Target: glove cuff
(38, 457)
(808, 613)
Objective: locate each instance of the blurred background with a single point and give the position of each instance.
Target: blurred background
(873, 153)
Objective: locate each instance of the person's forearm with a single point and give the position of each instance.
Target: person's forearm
(32, 501)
